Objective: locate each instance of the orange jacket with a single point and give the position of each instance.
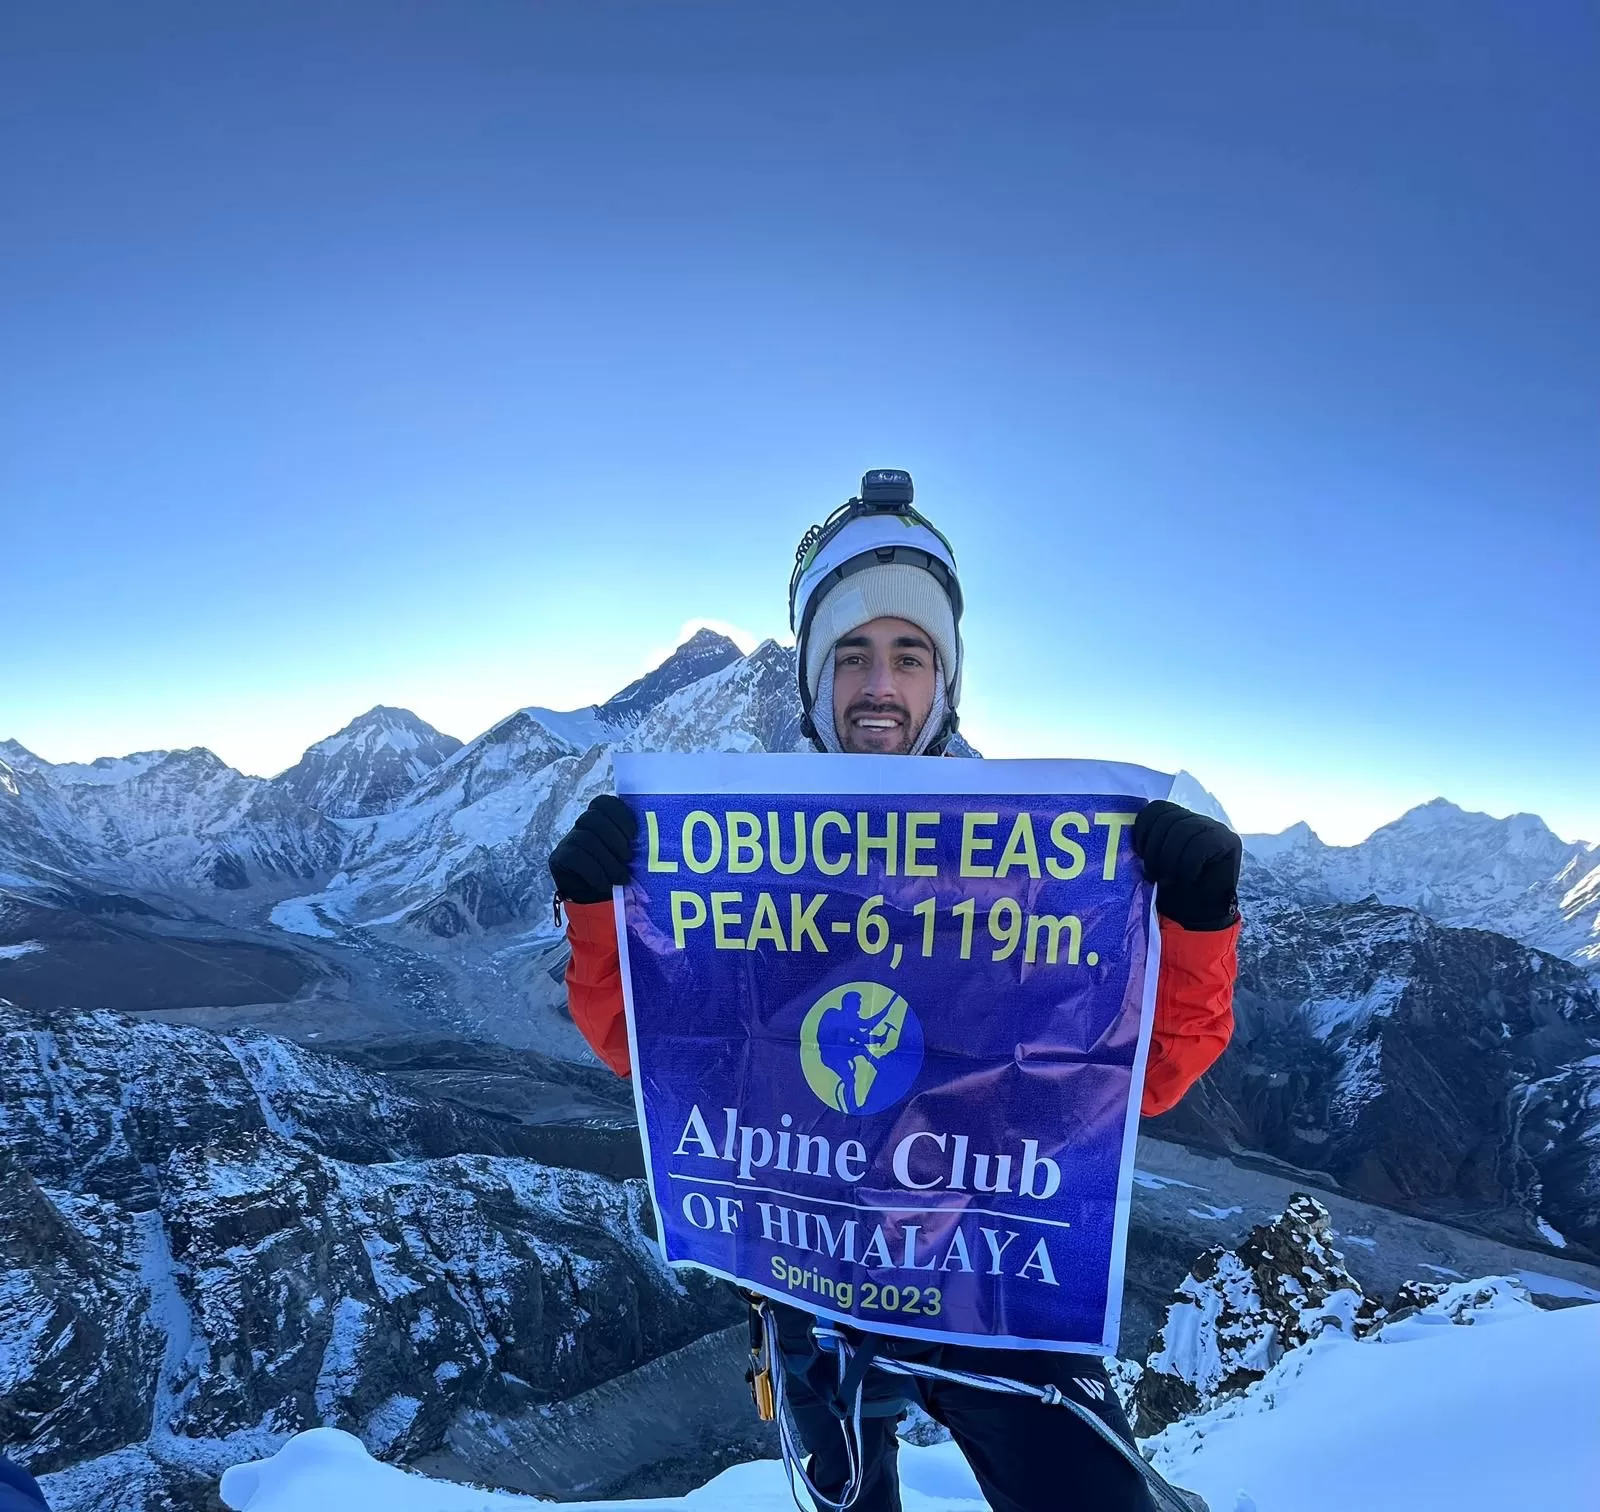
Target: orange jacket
(1194, 1000)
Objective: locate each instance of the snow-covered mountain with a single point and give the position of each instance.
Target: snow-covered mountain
(466, 848)
(211, 1242)
(1252, 1327)
(1450, 1071)
(1511, 875)
(415, 825)
(155, 820)
(369, 766)
(1471, 1397)
(1441, 1068)
(393, 822)
(704, 653)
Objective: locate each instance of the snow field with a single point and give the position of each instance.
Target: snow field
(1476, 1416)
(326, 1470)
(1498, 1413)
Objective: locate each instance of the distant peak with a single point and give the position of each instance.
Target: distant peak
(107, 763)
(1436, 811)
(389, 714)
(705, 639)
(519, 721)
(771, 654)
(190, 756)
(18, 757)
(371, 729)
(705, 652)
(1442, 823)
(1299, 836)
(387, 717)
(1443, 811)
(369, 765)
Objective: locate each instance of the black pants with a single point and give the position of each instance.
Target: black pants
(1027, 1456)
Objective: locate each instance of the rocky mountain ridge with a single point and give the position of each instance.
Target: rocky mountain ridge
(391, 817)
(1444, 1068)
(1242, 1311)
(400, 823)
(369, 765)
(212, 1241)
(1239, 1311)
(1452, 1072)
(1467, 870)
(156, 821)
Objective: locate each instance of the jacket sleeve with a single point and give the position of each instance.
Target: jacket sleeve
(594, 982)
(1194, 1010)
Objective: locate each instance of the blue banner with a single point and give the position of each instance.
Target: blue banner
(888, 1019)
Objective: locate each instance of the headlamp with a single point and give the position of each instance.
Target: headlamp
(879, 527)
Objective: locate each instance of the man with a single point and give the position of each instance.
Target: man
(876, 607)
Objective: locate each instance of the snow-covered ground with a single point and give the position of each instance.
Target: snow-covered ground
(1491, 1408)
(1427, 1413)
(328, 1471)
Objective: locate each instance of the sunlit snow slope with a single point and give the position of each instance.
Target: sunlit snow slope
(1427, 1413)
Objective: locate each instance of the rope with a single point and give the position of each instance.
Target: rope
(830, 1337)
(793, 1459)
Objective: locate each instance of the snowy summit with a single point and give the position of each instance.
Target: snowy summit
(367, 767)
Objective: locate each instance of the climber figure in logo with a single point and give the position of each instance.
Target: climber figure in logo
(853, 1039)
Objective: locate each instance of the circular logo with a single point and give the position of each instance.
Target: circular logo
(860, 1048)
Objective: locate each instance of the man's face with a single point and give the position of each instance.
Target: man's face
(883, 684)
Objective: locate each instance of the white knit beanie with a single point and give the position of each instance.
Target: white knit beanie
(895, 589)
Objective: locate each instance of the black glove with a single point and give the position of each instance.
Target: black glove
(592, 858)
(1194, 863)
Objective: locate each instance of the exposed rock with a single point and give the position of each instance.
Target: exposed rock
(1240, 1310)
(369, 765)
(134, 1480)
(268, 1239)
(79, 1356)
(749, 705)
(1448, 1071)
(917, 1427)
(1462, 1303)
(704, 653)
(1413, 1296)
(1124, 1377)
(661, 1430)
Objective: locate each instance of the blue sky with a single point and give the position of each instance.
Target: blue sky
(457, 357)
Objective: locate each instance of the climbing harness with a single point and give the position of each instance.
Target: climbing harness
(853, 1361)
